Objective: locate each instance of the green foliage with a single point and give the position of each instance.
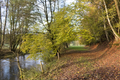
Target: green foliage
(47, 44)
(38, 45)
(92, 25)
(112, 12)
(117, 25)
(62, 29)
(70, 23)
(86, 37)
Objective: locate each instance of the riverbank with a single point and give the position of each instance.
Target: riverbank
(7, 53)
(102, 61)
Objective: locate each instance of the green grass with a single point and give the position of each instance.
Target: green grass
(80, 48)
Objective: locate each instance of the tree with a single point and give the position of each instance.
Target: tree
(118, 11)
(96, 22)
(21, 17)
(115, 34)
(57, 31)
(0, 22)
(60, 28)
(91, 28)
(3, 36)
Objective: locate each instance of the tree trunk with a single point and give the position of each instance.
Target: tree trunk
(106, 33)
(118, 12)
(66, 45)
(64, 3)
(114, 33)
(19, 67)
(41, 66)
(58, 54)
(58, 5)
(0, 25)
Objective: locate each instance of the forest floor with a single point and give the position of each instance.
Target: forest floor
(100, 62)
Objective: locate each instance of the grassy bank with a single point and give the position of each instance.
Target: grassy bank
(6, 53)
(55, 68)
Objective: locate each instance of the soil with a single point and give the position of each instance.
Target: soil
(106, 63)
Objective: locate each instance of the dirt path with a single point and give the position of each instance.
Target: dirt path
(102, 62)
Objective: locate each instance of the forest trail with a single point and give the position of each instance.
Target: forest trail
(101, 62)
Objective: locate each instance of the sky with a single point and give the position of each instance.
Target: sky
(70, 1)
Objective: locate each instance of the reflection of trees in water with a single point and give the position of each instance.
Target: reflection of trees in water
(4, 70)
(0, 69)
(19, 66)
(13, 70)
(24, 61)
(9, 68)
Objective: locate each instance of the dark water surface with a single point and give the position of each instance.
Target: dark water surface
(9, 69)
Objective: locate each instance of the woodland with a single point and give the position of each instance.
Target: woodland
(45, 29)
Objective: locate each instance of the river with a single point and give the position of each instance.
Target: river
(9, 69)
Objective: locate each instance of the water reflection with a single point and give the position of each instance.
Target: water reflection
(9, 67)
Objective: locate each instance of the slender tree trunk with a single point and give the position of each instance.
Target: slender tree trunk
(118, 12)
(0, 25)
(115, 34)
(66, 45)
(19, 67)
(64, 3)
(41, 66)
(58, 4)
(58, 54)
(3, 37)
(106, 33)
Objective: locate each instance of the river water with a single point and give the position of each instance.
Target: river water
(9, 69)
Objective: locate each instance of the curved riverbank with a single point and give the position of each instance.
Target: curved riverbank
(7, 53)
